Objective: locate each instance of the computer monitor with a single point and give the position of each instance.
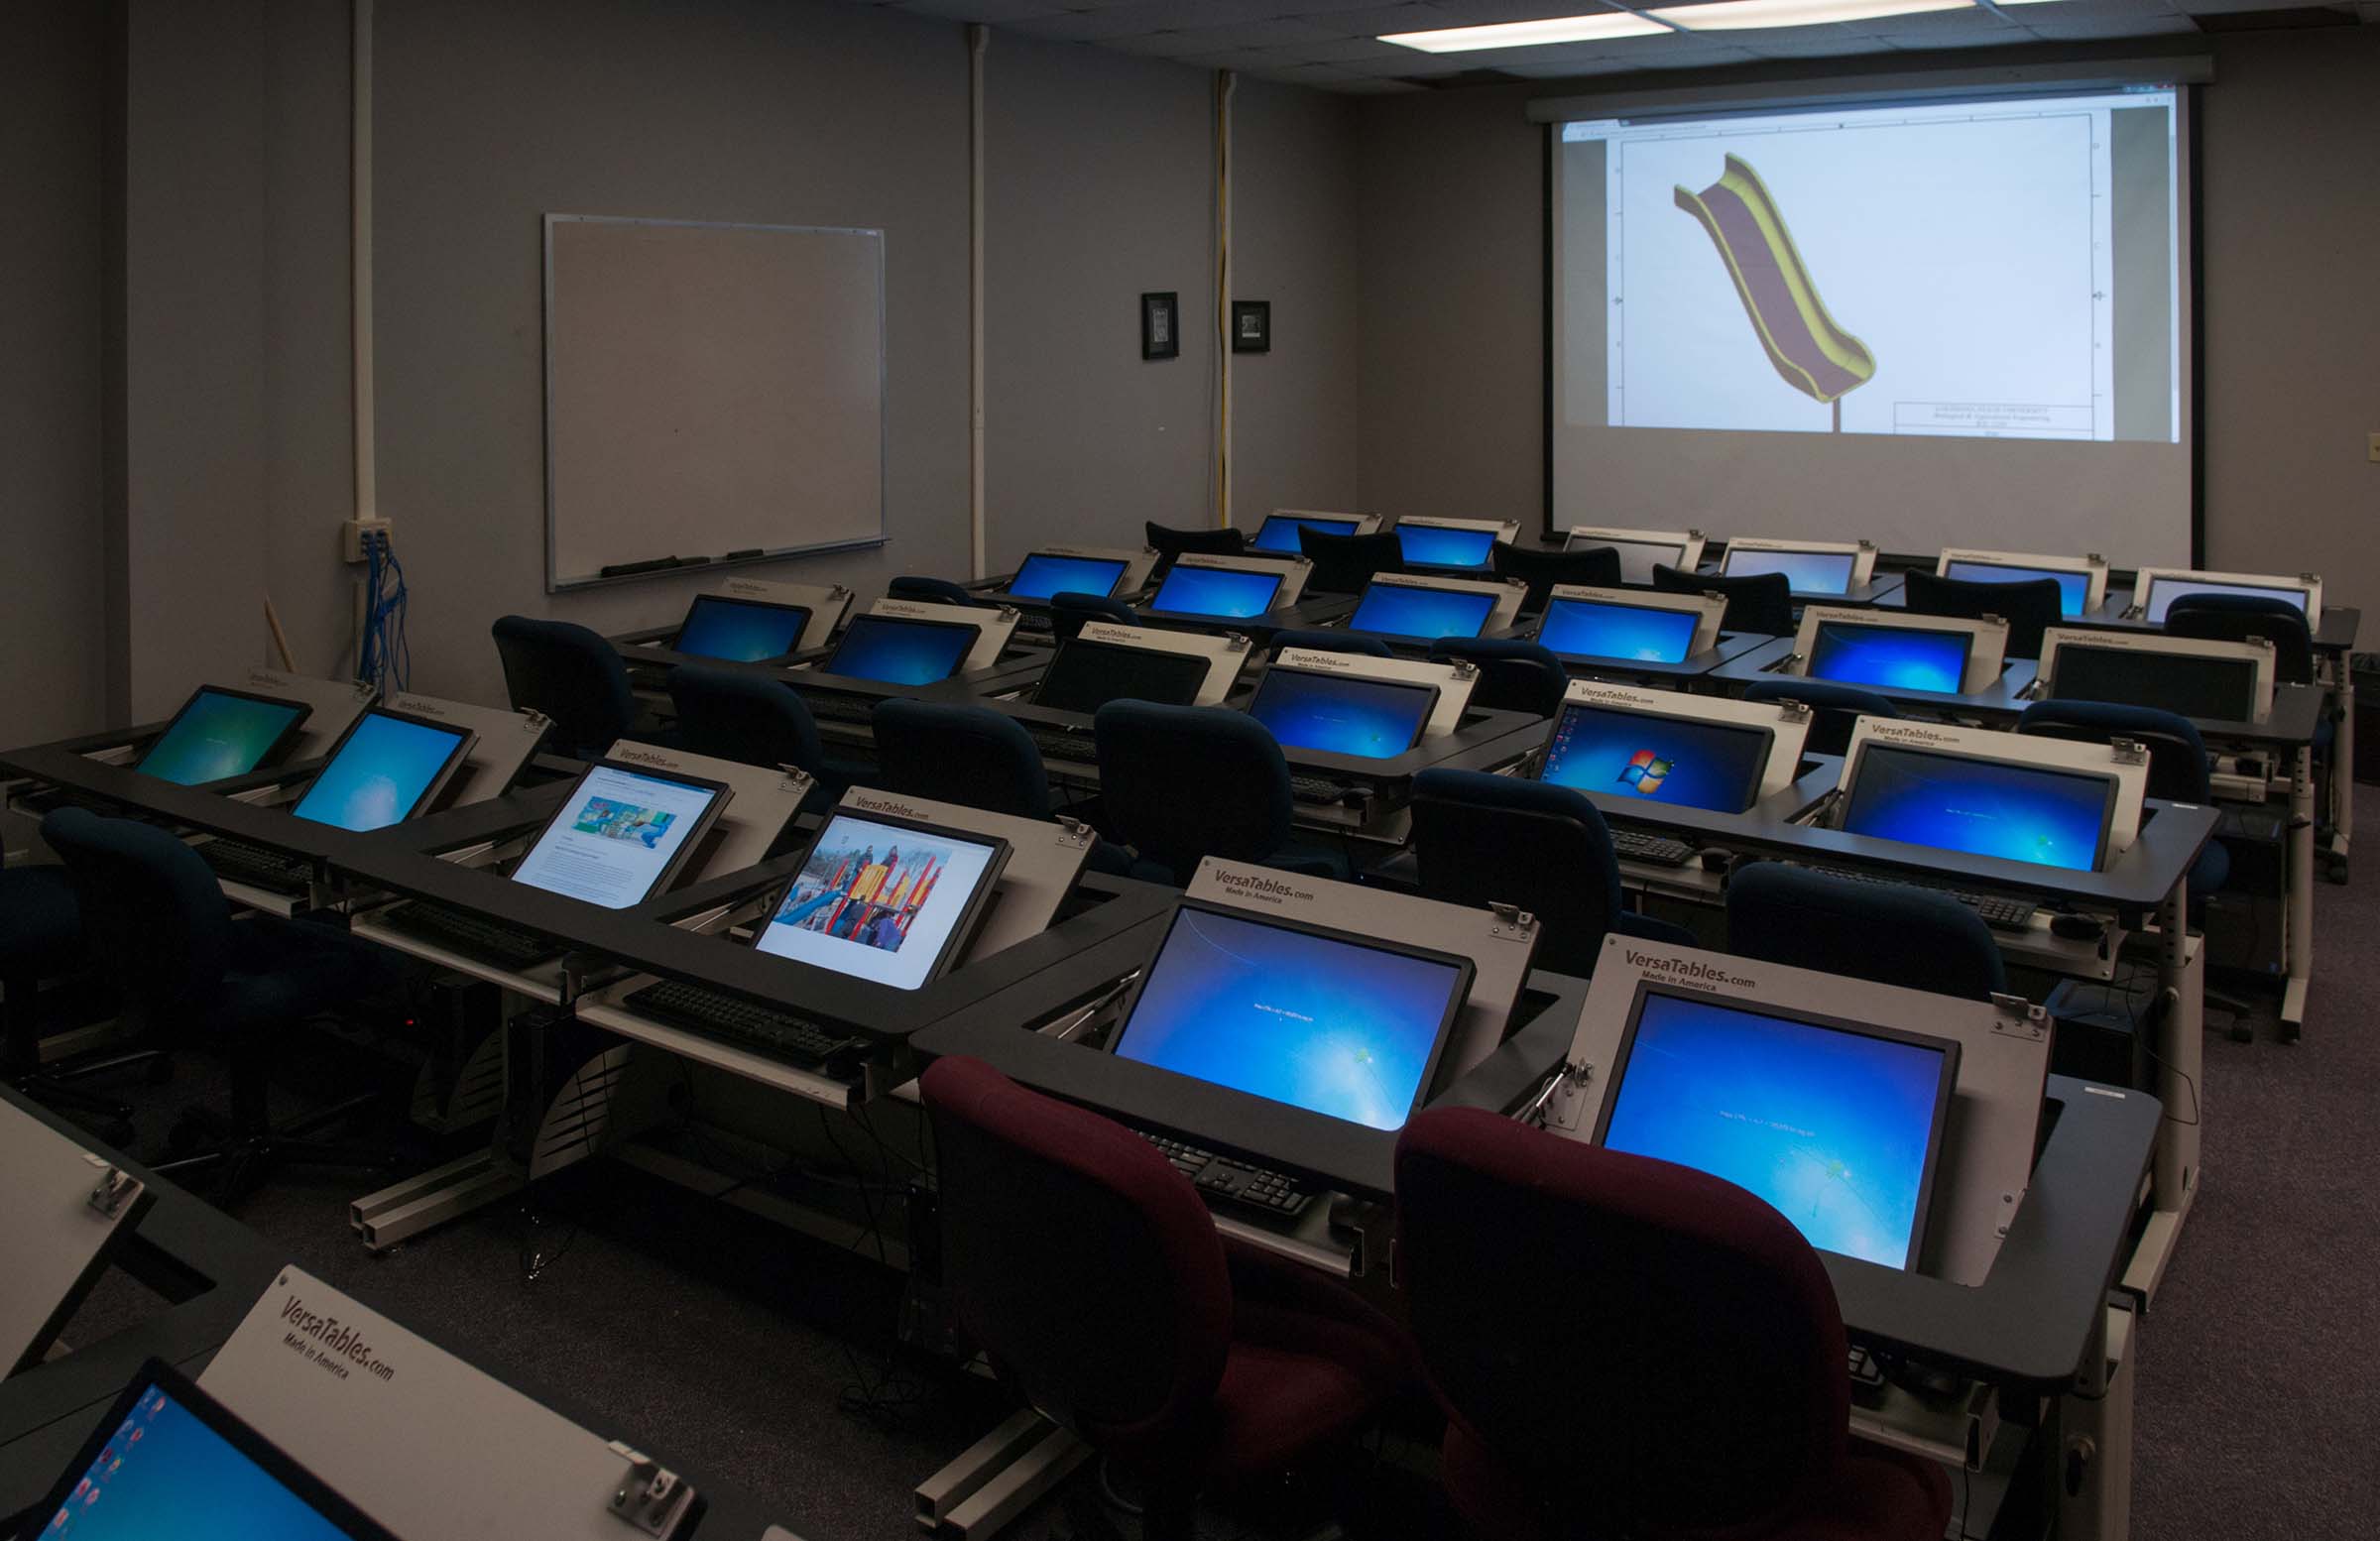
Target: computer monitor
(2074, 588)
(1044, 574)
(1422, 614)
(1222, 593)
(384, 771)
(1278, 533)
(1343, 714)
(900, 650)
(1806, 572)
(1983, 807)
(2163, 591)
(622, 834)
(168, 1461)
(1676, 762)
(1893, 657)
(740, 630)
(1341, 1025)
(1086, 675)
(885, 899)
(2209, 688)
(1836, 1124)
(220, 734)
(1638, 558)
(1437, 545)
(1588, 629)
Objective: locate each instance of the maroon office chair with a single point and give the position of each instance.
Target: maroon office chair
(1625, 1347)
(1091, 1273)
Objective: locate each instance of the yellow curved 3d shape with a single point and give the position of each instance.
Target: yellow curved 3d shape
(1816, 357)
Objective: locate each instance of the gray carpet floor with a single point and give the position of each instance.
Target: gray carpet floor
(767, 1360)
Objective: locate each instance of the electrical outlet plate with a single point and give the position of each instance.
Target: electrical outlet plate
(352, 532)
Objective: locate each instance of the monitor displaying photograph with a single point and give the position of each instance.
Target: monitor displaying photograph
(1222, 593)
(1638, 558)
(1343, 714)
(1599, 629)
(1890, 657)
(900, 650)
(1335, 1024)
(2163, 591)
(740, 630)
(1044, 574)
(2210, 689)
(1983, 807)
(1278, 533)
(1436, 545)
(1421, 614)
(384, 772)
(220, 734)
(1838, 1126)
(1086, 675)
(622, 834)
(1675, 761)
(888, 900)
(1806, 572)
(2074, 588)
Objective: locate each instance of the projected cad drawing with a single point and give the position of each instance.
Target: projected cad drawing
(1816, 357)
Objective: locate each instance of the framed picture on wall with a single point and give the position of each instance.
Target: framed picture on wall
(1251, 326)
(1160, 325)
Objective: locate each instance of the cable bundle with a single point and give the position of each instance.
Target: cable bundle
(384, 658)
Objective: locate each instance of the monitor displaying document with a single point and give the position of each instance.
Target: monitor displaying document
(1278, 533)
(1983, 807)
(900, 650)
(740, 630)
(1343, 714)
(220, 734)
(2163, 590)
(2074, 588)
(1893, 657)
(384, 772)
(1224, 593)
(1597, 628)
(1086, 675)
(1638, 558)
(1332, 1024)
(1807, 572)
(1836, 1124)
(1422, 614)
(1045, 573)
(2214, 689)
(622, 834)
(1675, 761)
(888, 900)
(1437, 545)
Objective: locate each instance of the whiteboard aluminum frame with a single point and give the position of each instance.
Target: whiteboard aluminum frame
(557, 584)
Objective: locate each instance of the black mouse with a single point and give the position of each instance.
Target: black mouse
(1715, 860)
(2075, 928)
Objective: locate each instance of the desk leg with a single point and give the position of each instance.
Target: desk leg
(2298, 911)
(2094, 1420)
(2180, 1052)
(2342, 773)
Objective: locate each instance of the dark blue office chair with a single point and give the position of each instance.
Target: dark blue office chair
(1481, 839)
(972, 755)
(1759, 602)
(1329, 639)
(158, 922)
(1183, 783)
(2238, 616)
(2030, 607)
(1834, 709)
(2178, 765)
(1516, 676)
(1894, 933)
(1596, 566)
(573, 676)
(747, 717)
(1344, 564)
(40, 938)
(1170, 542)
(934, 591)
(1070, 612)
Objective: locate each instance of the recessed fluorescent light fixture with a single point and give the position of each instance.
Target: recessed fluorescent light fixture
(1745, 15)
(1522, 35)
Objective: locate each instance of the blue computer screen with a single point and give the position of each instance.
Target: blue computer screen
(1834, 1127)
(166, 1474)
(1435, 545)
(1852, 653)
(378, 773)
(1225, 593)
(901, 651)
(1278, 533)
(1042, 576)
(2074, 588)
(1594, 629)
(2164, 591)
(217, 735)
(1985, 807)
(1664, 759)
(1332, 1026)
(740, 630)
(1342, 714)
(1402, 610)
(1807, 572)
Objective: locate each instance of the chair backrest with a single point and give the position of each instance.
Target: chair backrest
(1327, 639)
(1070, 612)
(1595, 565)
(1171, 541)
(1182, 782)
(572, 675)
(153, 913)
(1516, 676)
(1481, 839)
(1761, 602)
(2178, 768)
(1834, 709)
(934, 591)
(1343, 565)
(2030, 607)
(972, 755)
(1083, 1264)
(2238, 616)
(1891, 932)
(1701, 1385)
(744, 716)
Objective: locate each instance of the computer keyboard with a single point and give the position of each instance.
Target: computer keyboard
(258, 867)
(1220, 1177)
(1317, 789)
(1073, 748)
(2001, 914)
(1658, 850)
(838, 708)
(491, 941)
(747, 1023)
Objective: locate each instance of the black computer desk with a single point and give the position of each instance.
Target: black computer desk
(1879, 589)
(1311, 612)
(2003, 697)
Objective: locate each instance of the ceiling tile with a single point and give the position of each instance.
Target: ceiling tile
(1362, 87)
(1789, 44)
(1159, 45)
(1182, 15)
(2065, 29)
(1371, 21)
(1571, 69)
(1256, 35)
(994, 10)
(1244, 61)
(1340, 49)
(1077, 27)
(1414, 63)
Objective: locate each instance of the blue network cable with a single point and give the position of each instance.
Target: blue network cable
(385, 659)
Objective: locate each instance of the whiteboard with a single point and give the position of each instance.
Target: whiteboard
(712, 391)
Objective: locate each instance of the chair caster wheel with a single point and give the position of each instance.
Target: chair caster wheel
(2242, 1032)
(2336, 869)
